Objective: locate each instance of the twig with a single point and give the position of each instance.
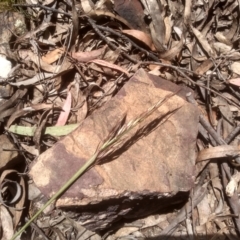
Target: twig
(42, 7)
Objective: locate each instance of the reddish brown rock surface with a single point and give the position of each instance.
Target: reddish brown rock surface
(150, 172)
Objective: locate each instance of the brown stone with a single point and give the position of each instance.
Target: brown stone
(150, 172)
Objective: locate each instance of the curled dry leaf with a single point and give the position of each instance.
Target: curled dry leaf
(141, 36)
(88, 56)
(17, 198)
(11, 186)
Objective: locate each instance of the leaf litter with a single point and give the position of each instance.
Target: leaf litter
(75, 56)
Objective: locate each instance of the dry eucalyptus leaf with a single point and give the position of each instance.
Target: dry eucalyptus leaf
(203, 41)
(235, 81)
(218, 153)
(233, 55)
(31, 149)
(235, 67)
(227, 115)
(132, 12)
(233, 184)
(37, 78)
(8, 158)
(111, 56)
(204, 67)
(64, 114)
(141, 36)
(26, 110)
(110, 65)
(88, 6)
(168, 25)
(173, 52)
(221, 48)
(125, 231)
(155, 10)
(88, 56)
(7, 224)
(223, 39)
(204, 210)
(53, 56)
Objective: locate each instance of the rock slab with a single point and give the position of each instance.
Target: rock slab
(154, 169)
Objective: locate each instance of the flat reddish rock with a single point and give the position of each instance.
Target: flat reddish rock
(149, 172)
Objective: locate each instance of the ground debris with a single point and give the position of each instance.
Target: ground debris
(84, 66)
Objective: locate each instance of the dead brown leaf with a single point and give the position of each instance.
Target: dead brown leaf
(110, 65)
(53, 56)
(157, 26)
(88, 56)
(203, 42)
(218, 153)
(141, 36)
(26, 110)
